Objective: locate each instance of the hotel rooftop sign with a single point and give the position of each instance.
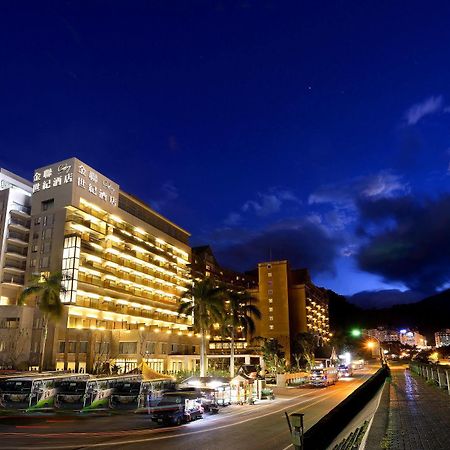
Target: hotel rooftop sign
(74, 178)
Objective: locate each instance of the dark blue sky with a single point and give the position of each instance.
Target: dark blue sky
(317, 132)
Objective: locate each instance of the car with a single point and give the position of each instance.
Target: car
(345, 371)
(177, 408)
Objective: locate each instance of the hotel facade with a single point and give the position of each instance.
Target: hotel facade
(125, 265)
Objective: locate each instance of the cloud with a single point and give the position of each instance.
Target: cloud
(406, 240)
(303, 243)
(343, 197)
(264, 205)
(384, 184)
(169, 192)
(429, 106)
(270, 202)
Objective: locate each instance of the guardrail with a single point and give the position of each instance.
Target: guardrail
(322, 434)
(435, 373)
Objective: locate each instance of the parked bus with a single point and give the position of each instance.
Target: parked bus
(100, 392)
(70, 394)
(33, 392)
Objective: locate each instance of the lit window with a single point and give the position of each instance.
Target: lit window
(269, 274)
(270, 309)
(271, 318)
(270, 327)
(270, 300)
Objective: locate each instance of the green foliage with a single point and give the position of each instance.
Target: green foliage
(204, 300)
(273, 355)
(48, 288)
(240, 312)
(303, 348)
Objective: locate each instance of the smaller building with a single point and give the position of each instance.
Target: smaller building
(384, 334)
(15, 207)
(290, 304)
(442, 337)
(412, 338)
(205, 264)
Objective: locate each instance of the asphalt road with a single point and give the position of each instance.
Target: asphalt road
(262, 426)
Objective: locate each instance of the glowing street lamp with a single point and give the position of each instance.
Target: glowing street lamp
(356, 332)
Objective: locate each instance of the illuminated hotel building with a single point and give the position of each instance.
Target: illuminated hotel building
(127, 266)
(290, 304)
(15, 205)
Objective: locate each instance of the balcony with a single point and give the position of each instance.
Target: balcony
(23, 212)
(15, 254)
(12, 266)
(17, 239)
(13, 280)
(18, 228)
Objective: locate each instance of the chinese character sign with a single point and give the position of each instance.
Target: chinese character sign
(80, 176)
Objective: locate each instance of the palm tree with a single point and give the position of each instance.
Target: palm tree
(204, 301)
(48, 288)
(241, 310)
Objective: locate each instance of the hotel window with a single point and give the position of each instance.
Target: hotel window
(271, 318)
(37, 220)
(83, 347)
(127, 348)
(270, 300)
(270, 327)
(70, 264)
(45, 260)
(269, 274)
(270, 292)
(270, 309)
(61, 347)
(34, 248)
(47, 204)
(71, 347)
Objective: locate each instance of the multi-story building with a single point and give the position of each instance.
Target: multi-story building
(412, 338)
(442, 337)
(15, 206)
(205, 264)
(15, 322)
(384, 334)
(126, 267)
(290, 304)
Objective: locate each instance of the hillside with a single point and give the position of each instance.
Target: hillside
(427, 315)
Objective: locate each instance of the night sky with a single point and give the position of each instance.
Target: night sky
(312, 131)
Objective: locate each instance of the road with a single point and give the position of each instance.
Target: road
(261, 426)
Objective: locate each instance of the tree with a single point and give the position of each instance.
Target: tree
(303, 347)
(273, 354)
(204, 301)
(240, 312)
(14, 343)
(48, 288)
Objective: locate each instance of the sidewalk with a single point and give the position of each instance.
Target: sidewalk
(419, 415)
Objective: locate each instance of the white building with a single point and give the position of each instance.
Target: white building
(15, 322)
(383, 334)
(15, 206)
(442, 337)
(412, 338)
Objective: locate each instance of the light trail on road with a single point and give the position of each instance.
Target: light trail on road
(142, 436)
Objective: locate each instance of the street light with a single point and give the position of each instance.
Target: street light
(358, 333)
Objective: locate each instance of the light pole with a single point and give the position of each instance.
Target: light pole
(359, 333)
